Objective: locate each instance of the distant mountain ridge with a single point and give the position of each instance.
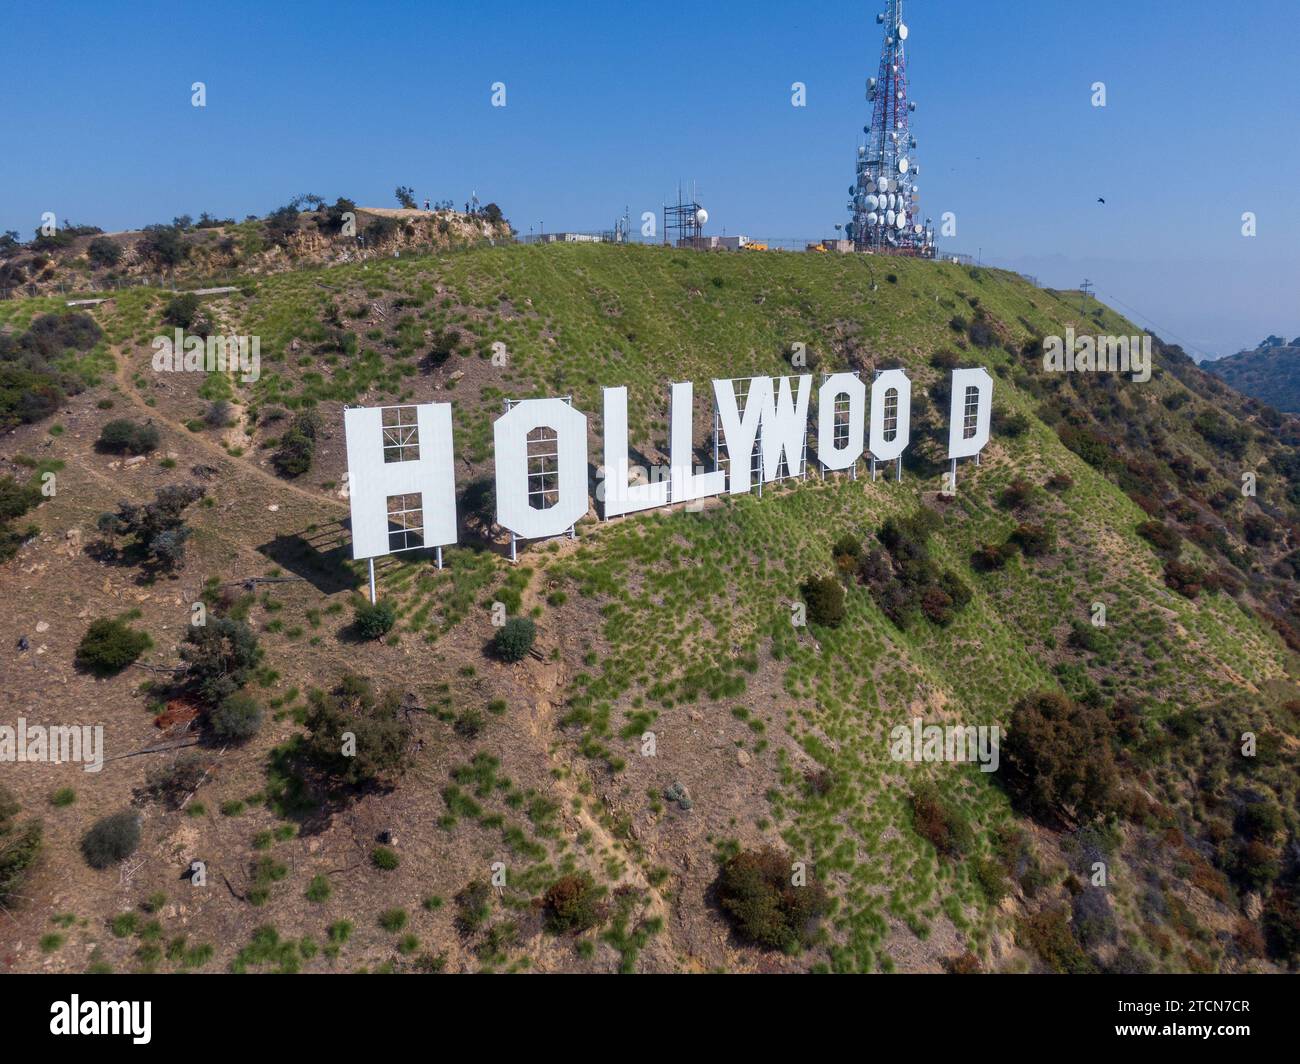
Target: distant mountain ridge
(1270, 373)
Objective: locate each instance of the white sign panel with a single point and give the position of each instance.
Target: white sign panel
(400, 478)
(543, 491)
(971, 413)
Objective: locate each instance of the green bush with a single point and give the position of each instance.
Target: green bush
(373, 620)
(123, 435)
(297, 447)
(236, 719)
(220, 656)
(109, 646)
(112, 839)
(825, 598)
(755, 890)
(1058, 758)
(514, 639)
(104, 252)
(381, 733)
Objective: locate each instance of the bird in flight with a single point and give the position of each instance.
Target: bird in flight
(1100, 200)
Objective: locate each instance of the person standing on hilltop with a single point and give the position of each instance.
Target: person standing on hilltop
(426, 203)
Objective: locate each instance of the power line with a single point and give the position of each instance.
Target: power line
(1155, 325)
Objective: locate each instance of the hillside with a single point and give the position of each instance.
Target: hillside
(1271, 373)
(1094, 490)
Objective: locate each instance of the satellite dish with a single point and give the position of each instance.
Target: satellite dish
(902, 31)
(911, 105)
(873, 202)
(904, 165)
(873, 218)
(889, 217)
(882, 185)
(861, 151)
(901, 219)
(880, 20)
(918, 229)
(702, 216)
(852, 189)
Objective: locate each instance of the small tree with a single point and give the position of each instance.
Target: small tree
(109, 646)
(514, 639)
(405, 196)
(158, 527)
(112, 839)
(220, 656)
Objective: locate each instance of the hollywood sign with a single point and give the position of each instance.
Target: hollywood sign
(401, 478)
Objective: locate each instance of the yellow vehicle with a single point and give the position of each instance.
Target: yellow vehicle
(755, 245)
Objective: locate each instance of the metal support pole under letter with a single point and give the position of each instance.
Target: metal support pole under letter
(372, 580)
(898, 470)
(438, 555)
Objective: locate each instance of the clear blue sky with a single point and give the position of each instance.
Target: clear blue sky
(608, 106)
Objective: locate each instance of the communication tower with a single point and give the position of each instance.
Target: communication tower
(884, 202)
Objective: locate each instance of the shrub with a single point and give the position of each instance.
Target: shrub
(825, 598)
(572, 904)
(374, 619)
(1282, 924)
(1018, 493)
(297, 446)
(473, 906)
(171, 783)
(109, 646)
(514, 639)
(124, 435)
(218, 414)
(104, 252)
(20, 846)
(237, 718)
(163, 245)
(219, 657)
(1186, 579)
(1034, 540)
(112, 839)
(1047, 933)
(1093, 921)
(182, 311)
(755, 890)
(381, 733)
(939, 822)
(158, 528)
(384, 858)
(991, 557)
(1165, 539)
(1058, 758)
